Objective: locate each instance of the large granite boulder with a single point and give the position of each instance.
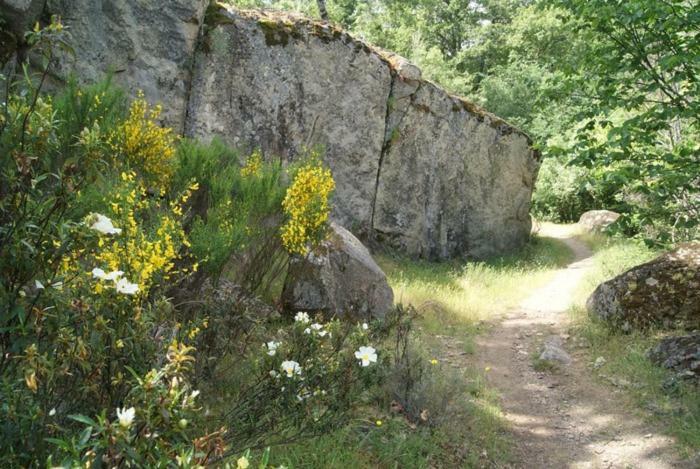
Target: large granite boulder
(664, 292)
(147, 45)
(680, 354)
(598, 220)
(339, 278)
(415, 168)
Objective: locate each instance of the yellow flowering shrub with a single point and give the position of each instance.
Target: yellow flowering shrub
(145, 145)
(306, 206)
(145, 255)
(253, 165)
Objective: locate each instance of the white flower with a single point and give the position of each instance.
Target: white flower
(52, 412)
(291, 368)
(124, 286)
(114, 275)
(366, 355)
(272, 348)
(302, 317)
(102, 275)
(126, 416)
(365, 326)
(104, 225)
(316, 327)
(38, 285)
(274, 374)
(242, 463)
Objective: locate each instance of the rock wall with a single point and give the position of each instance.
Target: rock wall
(415, 168)
(146, 45)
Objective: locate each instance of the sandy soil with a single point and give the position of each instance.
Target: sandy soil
(564, 418)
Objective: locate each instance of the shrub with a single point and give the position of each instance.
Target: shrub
(306, 205)
(145, 145)
(83, 310)
(237, 211)
(301, 382)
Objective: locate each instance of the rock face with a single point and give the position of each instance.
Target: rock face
(680, 354)
(415, 168)
(598, 220)
(283, 87)
(147, 45)
(18, 15)
(339, 278)
(664, 292)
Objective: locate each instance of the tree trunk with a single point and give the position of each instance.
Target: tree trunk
(322, 9)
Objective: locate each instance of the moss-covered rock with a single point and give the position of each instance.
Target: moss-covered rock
(664, 293)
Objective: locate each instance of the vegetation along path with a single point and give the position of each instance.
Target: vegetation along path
(559, 415)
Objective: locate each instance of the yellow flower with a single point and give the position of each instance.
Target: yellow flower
(253, 165)
(242, 463)
(433, 362)
(144, 144)
(378, 423)
(307, 207)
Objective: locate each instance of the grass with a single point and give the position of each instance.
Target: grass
(468, 292)
(471, 435)
(455, 299)
(676, 408)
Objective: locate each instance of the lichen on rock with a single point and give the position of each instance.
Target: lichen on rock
(664, 293)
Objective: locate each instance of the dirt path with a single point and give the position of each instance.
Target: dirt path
(563, 418)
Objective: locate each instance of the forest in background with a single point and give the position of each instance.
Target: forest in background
(608, 90)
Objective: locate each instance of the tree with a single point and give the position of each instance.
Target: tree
(646, 69)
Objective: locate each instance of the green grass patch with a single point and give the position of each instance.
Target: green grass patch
(459, 293)
(676, 406)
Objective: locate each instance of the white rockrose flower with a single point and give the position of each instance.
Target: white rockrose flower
(272, 348)
(291, 368)
(303, 317)
(102, 275)
(114, 275)
(98, 273)
(104, 225)
(366, 355)
(126, 416)
(125, 287)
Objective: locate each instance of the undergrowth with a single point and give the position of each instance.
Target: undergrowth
(653, 391)
(454, 299)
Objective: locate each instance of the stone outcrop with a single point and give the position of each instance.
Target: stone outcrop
(664, 292)
(282, 87)
(680, 354)
(339, 278)
(146, 45)
(598, 220)
(415, 168)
